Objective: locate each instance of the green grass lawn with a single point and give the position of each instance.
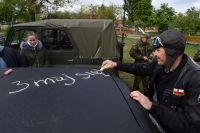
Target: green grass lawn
(129, 78)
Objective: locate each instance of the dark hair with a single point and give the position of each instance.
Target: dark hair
(145, 35)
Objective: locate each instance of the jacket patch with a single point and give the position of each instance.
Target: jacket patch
(178, 92)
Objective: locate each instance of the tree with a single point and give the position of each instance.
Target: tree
(106, 12)
(143, 12)
(138, 12)
(193, 20)
(13, 11)
(162, 17)
(82, 13)
(180, 22)
(59, 15)
(98, 12)
(37, 6)
(188, 22)
(130, 6)
(26, 10)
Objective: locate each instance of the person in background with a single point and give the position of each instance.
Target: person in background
(173, 94)
(141, 52)
(33, 52)
(9, 57)
(197, 56)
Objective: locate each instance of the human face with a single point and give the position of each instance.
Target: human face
(32, 40)
(160, 54)
(144, 39)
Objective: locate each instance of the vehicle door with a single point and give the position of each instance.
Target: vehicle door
(60, 46)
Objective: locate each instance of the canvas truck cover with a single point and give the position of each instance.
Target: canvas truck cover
(93, 38)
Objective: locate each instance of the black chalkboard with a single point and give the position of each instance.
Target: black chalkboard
(63, 100)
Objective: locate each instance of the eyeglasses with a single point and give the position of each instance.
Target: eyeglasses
(157, 42)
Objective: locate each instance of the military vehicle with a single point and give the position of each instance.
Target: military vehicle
(70, 41)
(72, 96)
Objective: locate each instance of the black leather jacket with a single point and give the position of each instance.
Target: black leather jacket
(180, 111)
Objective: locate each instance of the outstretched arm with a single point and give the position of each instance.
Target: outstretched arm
(133, 68)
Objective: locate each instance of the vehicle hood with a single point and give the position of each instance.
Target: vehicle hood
(71, 99)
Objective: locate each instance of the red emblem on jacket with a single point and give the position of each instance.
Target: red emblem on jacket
(178, 92)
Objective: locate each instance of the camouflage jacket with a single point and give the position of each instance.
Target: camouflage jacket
(139, 50)
(197, 56)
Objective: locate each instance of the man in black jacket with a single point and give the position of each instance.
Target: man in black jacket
(173, 95)
(10, 58)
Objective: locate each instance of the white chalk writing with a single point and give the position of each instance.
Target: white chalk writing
(25, 86)
(70, 78)
(67, 80)
(93, 72)
(45, 81)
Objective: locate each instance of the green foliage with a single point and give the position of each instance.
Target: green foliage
(162, 17)
(189, 22)
(130, 7)
(97, 12)
(191, 50)
(82, 13)
(60, 15)
(13, 11)
(37, 6)
(138, 11)
(7, 30)
(144, 11)
(180, 22)
(106, 12)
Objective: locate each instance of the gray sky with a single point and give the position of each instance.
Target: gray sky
(178, 5)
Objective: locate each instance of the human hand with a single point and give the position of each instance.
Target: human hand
(142, 99)
(108, 64)
(145, 58)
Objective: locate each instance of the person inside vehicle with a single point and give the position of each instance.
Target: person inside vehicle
(173, 94)
(9, 57)
(141, 52)
(33, 52)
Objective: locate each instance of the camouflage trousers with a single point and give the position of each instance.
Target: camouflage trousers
(138, 80)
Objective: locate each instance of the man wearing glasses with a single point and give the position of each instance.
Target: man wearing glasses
(173, 95)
